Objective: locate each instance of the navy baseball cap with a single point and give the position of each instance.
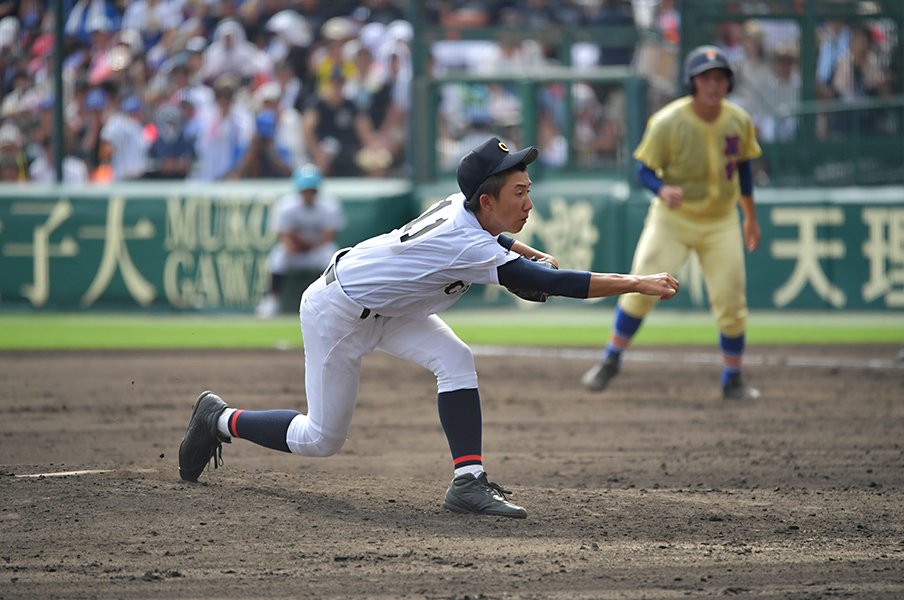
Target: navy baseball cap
(489, 158)
(703, 59)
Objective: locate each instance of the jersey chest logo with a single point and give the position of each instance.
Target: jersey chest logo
(732, 148)
(457, 287)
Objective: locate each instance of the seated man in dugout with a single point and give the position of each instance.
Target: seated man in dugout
(307, 221)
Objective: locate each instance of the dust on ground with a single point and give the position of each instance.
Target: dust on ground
(655, 488)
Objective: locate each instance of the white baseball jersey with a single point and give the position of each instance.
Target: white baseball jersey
(404, 277)
(424, 267)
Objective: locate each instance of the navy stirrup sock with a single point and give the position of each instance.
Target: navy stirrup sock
(623, 329)
(460, 416)
(732, 352)
(265, 427)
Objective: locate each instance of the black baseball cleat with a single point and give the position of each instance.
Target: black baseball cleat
(600, 374)
(736, 389)
(469, 494)
(202, 441)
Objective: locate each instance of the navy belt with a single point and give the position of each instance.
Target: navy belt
(330, 277)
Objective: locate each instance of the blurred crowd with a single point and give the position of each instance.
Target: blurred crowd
(214, 90)
(855, 61)
(583, 122)
(205, 90)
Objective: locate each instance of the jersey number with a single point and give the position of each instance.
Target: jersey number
(418, 226)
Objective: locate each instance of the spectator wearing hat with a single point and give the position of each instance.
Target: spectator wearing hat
(306, 222)
(330, 58)
(123, 141)
(335, 130)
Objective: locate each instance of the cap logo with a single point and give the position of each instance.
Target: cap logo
(710, 54)
(503, 147)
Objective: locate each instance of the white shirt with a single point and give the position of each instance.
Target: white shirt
(220, 143)
(308, 221)
(130, 148)
(42, 170)
(162, 16)
(424, 267)
(292, 215)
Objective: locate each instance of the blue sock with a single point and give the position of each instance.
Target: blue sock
(623, 329)
(265, 427)
(462, 421)
(732, 352)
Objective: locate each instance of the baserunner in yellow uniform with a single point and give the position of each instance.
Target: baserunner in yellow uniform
(695, 156)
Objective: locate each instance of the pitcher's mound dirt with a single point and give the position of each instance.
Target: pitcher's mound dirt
(655, 488)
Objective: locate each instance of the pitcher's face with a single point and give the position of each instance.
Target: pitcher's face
(510, 209)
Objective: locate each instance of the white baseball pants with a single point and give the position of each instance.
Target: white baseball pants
(336, 338)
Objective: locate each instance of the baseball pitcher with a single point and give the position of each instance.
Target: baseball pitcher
(385, 293)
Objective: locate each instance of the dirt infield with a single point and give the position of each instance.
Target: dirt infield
(654, 489)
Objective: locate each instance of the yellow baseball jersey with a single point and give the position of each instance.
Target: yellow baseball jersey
(699, 156)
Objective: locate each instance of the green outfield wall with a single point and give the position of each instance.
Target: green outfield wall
(190, 247)
(160, 245)
(835, 248)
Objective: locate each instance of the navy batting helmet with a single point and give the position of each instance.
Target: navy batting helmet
(703, 59)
